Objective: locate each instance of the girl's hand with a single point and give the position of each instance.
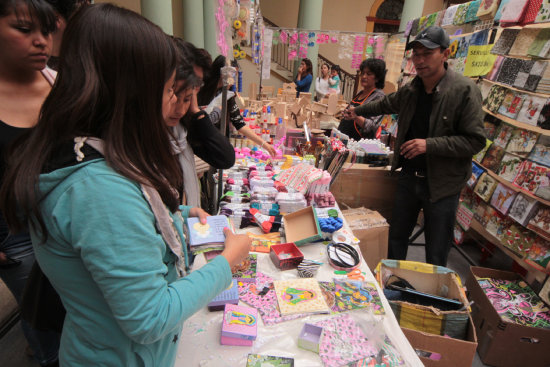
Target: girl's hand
(272, 152)
(194, 107)
(198, 212)
(237, 247)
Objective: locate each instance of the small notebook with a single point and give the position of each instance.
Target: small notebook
(210, 233)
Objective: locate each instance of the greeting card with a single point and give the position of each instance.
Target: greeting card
(263, 242)
(521, 142)
(487, 9)
(492, 158)
(530, 110)
(464, 215)
(540, 223)
(485, 186)
(541, 151)
(477, 170)
(523, 209)
(490, 126)
(497, 223)
(352, 295)
(503, 198)
(517, 240)
(509, 166)
(530, 176)
(503, 135)
(479, 213)
(246, 270)
(544, 116)
(511, 104)
(458, 234)
(478, 157)
(538, 255)
(300, 296)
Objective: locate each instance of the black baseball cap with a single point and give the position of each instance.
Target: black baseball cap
(432, 37)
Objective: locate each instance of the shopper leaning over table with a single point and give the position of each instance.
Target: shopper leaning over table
(440, 128)
(98, 184)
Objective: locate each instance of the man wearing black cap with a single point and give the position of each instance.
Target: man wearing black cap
(440, 128)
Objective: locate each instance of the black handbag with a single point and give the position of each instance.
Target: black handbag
(40, 304)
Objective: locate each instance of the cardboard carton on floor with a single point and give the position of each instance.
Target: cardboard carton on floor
(372, 230)
(503, 343)
(449, 336)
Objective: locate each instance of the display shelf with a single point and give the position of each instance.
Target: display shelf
(544, 95)
(515, 123)
(514, 187)
(480, 229)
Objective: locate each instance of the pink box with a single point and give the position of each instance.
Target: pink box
(240, 324)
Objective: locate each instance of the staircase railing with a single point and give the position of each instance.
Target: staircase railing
(279, 55)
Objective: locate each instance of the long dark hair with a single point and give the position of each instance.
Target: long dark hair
(208, 91)
(114, 66)
(39, 11)
(309, 66)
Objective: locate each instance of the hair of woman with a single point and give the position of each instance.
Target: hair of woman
(114, 67)
(309, 66)
(184, 68)
(39, 11)
(208, 91)
(378, 68)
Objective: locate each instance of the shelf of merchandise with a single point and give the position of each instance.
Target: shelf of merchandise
(515, 123)
(533, 272)
(508, 86)
(514, 187)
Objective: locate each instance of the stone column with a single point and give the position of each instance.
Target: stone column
(158, 12)
(309, 17)
(193, 24)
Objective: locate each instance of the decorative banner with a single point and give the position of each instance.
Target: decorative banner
(223, 25)
(357, 55)
(479, 60)
(266, 61)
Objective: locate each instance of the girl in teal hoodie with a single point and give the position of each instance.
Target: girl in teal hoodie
(98, 184)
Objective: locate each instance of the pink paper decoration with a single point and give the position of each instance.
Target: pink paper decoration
(303, 37)
(292, 54)
(283, 37)
(303, 52)
(293, 38)
(222, 27)
(334, 39)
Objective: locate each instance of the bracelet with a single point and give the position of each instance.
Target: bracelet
(342, 256)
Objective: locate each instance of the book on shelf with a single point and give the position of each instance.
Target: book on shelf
(521, 142)
(477, 170)
(496, 222)
(517, 239)
(538, 255)
(478, 157)
(479, 212)
(523, 209)
(464, 215)
(509, 166)
(209, 235)
(492, 157)
(485, 186)
(502, 198)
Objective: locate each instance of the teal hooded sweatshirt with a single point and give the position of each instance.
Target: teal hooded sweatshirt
(113, 271)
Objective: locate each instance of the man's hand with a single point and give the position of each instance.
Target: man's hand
(349, 113)
(412, 148)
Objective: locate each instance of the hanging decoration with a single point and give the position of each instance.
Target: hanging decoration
(266, 63)
(222, 26)
(357, 55)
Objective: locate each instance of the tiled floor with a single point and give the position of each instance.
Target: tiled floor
(12, 345)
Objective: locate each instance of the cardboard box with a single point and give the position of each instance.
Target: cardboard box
(372, 230)
(361, 185)
(301, 227)
(239, 326)
(440, 351)
(310, 337)
(503, 343)
(443, 338)
(228, 296)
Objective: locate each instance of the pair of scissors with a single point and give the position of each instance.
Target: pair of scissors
(356, 274)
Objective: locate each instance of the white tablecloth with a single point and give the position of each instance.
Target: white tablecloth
(200, 340)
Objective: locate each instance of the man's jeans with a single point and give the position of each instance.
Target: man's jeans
(412, 194)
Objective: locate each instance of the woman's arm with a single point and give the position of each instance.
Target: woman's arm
(246, 131)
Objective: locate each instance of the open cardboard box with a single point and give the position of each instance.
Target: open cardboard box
(449, 334)
(503, 343)
(301, 227)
